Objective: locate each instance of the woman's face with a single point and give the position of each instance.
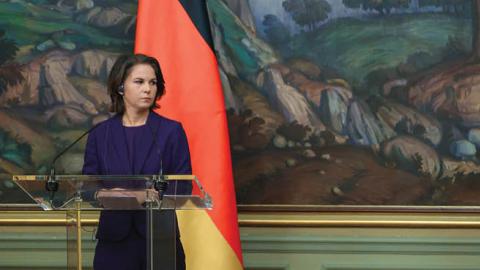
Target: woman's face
(140, 88)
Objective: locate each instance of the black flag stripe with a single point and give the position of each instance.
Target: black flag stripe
(197, 11)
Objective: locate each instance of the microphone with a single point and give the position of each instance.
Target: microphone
(52, 184)
(160, 184)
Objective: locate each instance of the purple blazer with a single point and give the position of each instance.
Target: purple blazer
(163, 145)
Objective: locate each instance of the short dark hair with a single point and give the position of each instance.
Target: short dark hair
(120, 71)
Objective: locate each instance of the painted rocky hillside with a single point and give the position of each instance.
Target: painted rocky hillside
(52, 80)
(304, 130)
(357, 105)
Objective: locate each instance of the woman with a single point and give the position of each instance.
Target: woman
(136, 141)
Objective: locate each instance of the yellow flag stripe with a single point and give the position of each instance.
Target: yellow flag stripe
(205, 247)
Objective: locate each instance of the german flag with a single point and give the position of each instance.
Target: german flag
(177, 33)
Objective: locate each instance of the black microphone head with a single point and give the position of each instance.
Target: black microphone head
(161, 186)
(51, 185)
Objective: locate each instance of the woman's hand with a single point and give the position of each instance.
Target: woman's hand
(140, 195)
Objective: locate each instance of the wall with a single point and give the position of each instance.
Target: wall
(340, 241)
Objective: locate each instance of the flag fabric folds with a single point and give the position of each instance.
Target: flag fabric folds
(177, 33)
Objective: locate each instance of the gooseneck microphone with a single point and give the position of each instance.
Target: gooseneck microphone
(160, 183)
(52, 185)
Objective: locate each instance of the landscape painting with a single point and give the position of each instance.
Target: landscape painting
(329, 102)
(55, 56)
(352, 102)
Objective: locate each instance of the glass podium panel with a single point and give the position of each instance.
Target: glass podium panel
(112, 192)
(147, 201)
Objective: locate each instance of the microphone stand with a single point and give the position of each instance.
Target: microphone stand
(52, 184)
(160, 184)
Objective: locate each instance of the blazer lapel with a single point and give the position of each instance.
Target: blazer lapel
(147, 142)
(123, 165)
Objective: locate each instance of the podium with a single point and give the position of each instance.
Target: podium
(154, 197)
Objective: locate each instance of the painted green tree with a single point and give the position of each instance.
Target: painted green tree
(275, 30)
(307, 12)
(9, 71)
(475, 55)
(382, 6)
(468, 8)
(458, 7)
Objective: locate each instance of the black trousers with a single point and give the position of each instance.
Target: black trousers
(130, 253)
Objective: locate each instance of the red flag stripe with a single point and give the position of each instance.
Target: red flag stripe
(193, 96)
